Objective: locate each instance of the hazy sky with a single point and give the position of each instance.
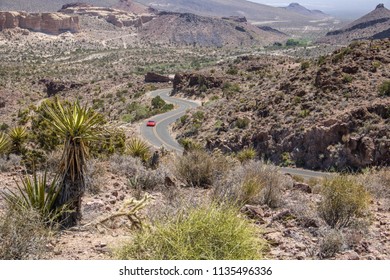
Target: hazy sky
(337, 7)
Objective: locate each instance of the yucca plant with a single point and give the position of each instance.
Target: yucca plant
(35, 194)
(246, 154)
(138, 148)
(78, 126)
(18, 136)
(4, 143)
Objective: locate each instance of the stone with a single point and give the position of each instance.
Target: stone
(302, 187)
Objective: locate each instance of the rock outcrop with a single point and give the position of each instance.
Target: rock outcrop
(151, 77)
(116, 17)
(50, 23)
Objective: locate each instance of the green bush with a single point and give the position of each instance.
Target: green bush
(343, 200)
(207, 233)
(384, 88)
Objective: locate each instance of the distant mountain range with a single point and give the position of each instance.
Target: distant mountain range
(374, 25)
(252, 11)
(297, 8)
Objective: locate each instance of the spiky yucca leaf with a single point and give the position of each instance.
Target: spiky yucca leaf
(35, 193)
(4, 143)
(246, 154)
(18, 135)
(138, 148)
(78, 126)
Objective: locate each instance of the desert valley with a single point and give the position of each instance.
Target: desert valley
(137, 129)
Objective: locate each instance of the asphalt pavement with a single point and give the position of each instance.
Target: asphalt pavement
(160, 135)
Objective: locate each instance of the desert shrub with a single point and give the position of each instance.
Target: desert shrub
(196, 168)
(190, 145)
(242, 123)
(94, 176)
(124, 165)
(384, 88)
(330, 245)
(229, 89)
(205, 233)
(138, 148)
(111, 141)
(343, 200)
(23, 235)
(305, 65)
(246, 154)
(254, 183)
(232, 70)
(158, 102)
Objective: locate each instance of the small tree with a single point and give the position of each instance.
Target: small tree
(78, 126)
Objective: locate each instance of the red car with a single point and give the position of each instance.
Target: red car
(151, 123)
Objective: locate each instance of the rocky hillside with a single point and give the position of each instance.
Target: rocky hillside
(375, 24)
(191, 29)
(330, 113)
(50, 23)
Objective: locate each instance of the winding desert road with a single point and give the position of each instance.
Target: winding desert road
(160, 135)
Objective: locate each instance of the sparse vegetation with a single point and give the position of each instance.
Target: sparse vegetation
(4, 143)
(343, 201)
(384, 88)
(138, 148)
(78, 126)
(246, 154)
(206, 233)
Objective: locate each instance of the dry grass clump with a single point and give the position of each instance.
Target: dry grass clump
(253, 183)
(124, 165)
(94, 176)
(196, 168)
(23, 235)
(343, 201)
(205, 233)
(331, 244)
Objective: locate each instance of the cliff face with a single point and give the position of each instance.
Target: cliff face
(50, 23)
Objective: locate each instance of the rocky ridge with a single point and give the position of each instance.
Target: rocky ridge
(50, 23)
(191, 29)
(324, 114)
(375, 24)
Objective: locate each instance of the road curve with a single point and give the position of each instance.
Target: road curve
(160, 135)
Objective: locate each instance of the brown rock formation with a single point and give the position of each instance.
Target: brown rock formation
(50, 23)
(151, 77)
